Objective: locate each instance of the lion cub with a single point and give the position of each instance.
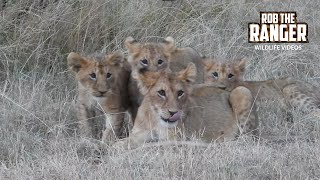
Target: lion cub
(290, 92)
(102, 83)
(150, 56)
(172, 104)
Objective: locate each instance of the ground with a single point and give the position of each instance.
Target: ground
(38, 92)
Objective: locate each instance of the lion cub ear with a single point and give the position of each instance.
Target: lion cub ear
(189, 74)
(115, 59)
(207, 63)
(169, 44)
(241, 65)
(146, 80)
(76, 62)
(131, 44)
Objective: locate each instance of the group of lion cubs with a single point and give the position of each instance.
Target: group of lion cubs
(172, 92)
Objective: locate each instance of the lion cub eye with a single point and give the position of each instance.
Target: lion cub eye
(160, 61)
(180, 93)
(109, 75)
(93, 76)
(230, 76)
(162, 93)
(144, 62)
(215, 74)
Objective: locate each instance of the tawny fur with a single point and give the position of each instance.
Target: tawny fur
(218, 115)
(205, 110)
(158, 56)
(102, 83)
(290, 92)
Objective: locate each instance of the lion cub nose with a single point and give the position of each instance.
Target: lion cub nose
(102, 92)
(172, 113)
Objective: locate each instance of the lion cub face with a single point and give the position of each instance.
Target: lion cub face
(167, 93)
(227, 74)
(149, 56)
(96, 74)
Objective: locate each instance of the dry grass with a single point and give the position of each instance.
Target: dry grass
(37, 93)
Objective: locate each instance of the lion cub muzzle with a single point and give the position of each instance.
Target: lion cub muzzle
(175, 116)
(99, 94)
